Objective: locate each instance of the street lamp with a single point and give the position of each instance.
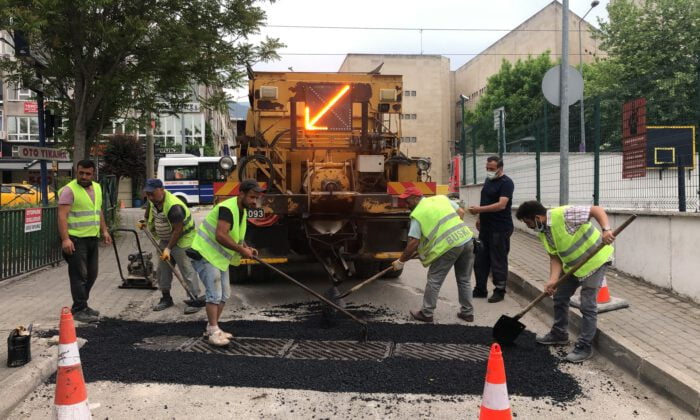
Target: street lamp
(582, 144)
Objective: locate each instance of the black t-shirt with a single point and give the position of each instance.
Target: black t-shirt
(226, 215)
(493, 190)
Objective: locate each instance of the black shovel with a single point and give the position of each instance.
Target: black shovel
(507, 329)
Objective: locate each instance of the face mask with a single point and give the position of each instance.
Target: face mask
(490, 175)
(539, 226)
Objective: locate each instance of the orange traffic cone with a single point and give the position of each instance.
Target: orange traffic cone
(71, 395)
(495, 404)
(604, 293)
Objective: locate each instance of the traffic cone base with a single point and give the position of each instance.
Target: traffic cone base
(605, 302)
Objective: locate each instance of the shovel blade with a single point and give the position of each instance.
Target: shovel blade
(507, 329)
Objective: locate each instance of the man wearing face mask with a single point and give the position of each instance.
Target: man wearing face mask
(495, 224)
(569, 237)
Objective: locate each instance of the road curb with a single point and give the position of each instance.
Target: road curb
(27, 378)
(664, 378)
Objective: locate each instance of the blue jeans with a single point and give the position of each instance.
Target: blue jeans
(216, 284)
(589, 305)
(462, 259)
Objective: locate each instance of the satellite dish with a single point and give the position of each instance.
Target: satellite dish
(550, 85)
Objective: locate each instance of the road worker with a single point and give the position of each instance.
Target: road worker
(80, 222)
(171, 222)
(442, 240)
(568, 237)
(218, 244)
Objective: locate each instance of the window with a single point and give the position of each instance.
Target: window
(413, 116)
(194, 129)
(209, 171)
(1, 125)
(22, 129)
(6, 189)
(15, 93)
(408, 140)
(180, 173)
(22, 190)
(413, 93)
(407, 93)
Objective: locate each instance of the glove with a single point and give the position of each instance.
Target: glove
(165, 256)
(140, 224)
(398, 265)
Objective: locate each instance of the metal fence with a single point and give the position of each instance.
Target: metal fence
(21, 252)
(596, 175)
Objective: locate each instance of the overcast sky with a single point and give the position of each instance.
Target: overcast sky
(432, 14)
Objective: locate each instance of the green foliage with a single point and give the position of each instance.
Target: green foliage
(103, 57)
(124, 158)
(653, 52)
(517, 87)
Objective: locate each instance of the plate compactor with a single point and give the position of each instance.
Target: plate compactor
(140, 268)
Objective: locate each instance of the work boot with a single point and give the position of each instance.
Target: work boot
(218, 339)
(199, 302)
(478, 293)
(92, 312)
(550, 339)
(466, 317)
(85, 316)
(579, 353)
(164, 303)
(189, 310)
(418, 316)
(497, 296)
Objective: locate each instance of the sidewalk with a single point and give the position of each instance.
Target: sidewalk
(39, 296)
(657, 338)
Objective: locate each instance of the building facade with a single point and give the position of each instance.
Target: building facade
(431, 121)
(427, 115)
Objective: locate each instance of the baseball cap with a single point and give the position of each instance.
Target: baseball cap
(152, 184)
(250, 184)
(411, 191)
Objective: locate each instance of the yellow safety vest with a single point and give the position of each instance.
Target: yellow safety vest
(441, 228)
(572, 249)
(188, 232)
(205, 241)
(84, 216)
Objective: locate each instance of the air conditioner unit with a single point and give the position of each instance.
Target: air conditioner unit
(268, 92)
(387, 95)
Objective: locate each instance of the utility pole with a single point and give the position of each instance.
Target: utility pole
(582, 144)
(42, 143)
(150, 160)
(564, 108)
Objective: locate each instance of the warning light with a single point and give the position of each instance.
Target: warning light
(310, 123)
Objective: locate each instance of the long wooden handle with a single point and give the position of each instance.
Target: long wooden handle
(313, 292)
(362, 284)
(575, 268)
(172, 267)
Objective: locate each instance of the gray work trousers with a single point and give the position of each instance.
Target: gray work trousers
(179, 259)
(462, 258)
(589, 306)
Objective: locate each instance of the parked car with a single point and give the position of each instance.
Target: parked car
(21, 194)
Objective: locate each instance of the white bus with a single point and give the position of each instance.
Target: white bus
(190, 177)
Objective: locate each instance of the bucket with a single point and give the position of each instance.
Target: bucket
(19, 351)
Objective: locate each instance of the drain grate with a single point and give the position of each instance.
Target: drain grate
(340, 350)
(442, 351)
(320, 350)
(259, 347)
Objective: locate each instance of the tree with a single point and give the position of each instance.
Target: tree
(653, 52)
(517, 87)
(124, 158)
(101, 58)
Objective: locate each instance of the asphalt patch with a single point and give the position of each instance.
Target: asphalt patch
(111, 355)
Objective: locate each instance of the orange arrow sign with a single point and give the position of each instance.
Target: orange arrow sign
(309, 123)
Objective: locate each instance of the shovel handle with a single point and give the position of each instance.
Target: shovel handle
(172, 267)
(313, 292)
(363, 283)
(575, 268)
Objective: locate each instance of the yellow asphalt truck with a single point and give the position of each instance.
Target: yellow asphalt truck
(326, 146)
